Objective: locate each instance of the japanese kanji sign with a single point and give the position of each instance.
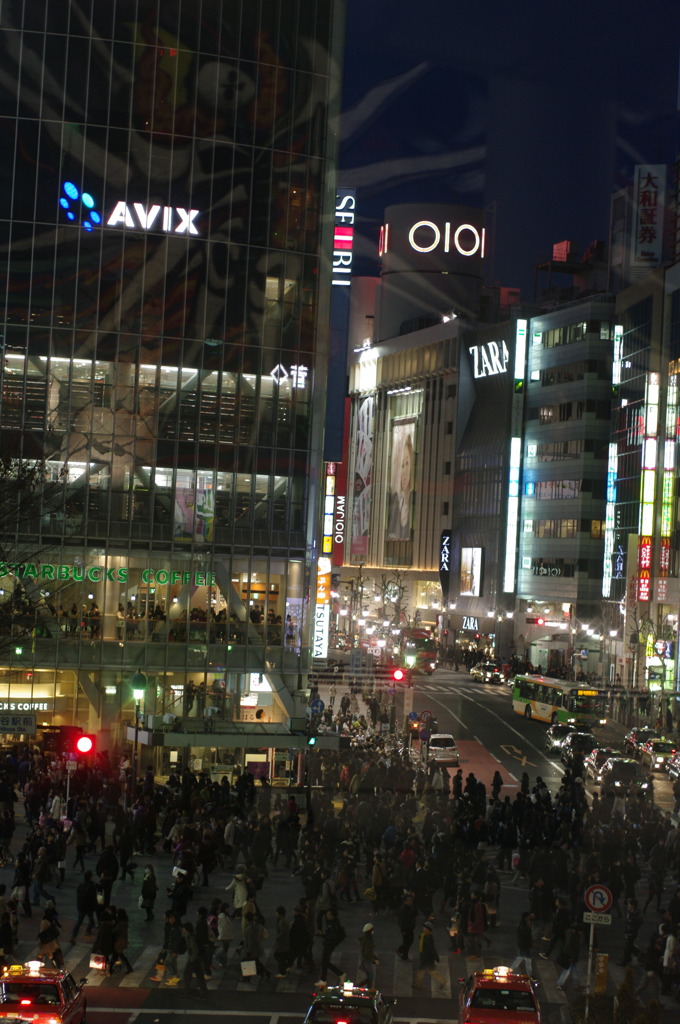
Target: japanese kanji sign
(649, 194)
(17, 724)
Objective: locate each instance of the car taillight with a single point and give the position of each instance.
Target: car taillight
(25, 1002)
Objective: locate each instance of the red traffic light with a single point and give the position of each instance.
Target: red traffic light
(85, 744)
(398, 675)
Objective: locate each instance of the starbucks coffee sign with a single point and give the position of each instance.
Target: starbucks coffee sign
(99, 574)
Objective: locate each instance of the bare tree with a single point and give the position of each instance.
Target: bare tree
(398, 587)
(30, 491)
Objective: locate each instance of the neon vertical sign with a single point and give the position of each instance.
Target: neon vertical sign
(668, 484)
(513, 515)
(648, 487)
(612, 466)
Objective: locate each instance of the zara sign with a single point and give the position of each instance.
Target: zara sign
(445, 563)
(489, 359)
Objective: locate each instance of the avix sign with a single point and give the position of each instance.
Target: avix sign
(171, 219)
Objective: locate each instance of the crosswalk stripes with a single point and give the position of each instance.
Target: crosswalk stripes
(394, 976)
(466, 688)
(140, 968)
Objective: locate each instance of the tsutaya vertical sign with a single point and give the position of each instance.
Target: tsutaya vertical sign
(445, 564)
(343, 236)
(322, 611)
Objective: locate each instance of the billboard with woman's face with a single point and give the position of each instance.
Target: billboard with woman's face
(401, 478)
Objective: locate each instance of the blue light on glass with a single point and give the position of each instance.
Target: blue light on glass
(87, 199)
(87, 225)
(95, 218)
(71, 216)
(71, 190)
(64, 202)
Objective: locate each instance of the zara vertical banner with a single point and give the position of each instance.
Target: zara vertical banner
(445, 564)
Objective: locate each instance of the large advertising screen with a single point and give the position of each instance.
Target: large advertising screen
(363, 471)
(401, 479)
(471, 572)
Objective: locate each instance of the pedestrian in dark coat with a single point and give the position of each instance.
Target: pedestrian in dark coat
(428, 958)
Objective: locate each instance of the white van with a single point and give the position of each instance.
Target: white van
(440, 748)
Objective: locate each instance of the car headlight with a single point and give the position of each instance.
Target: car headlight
(659, 760)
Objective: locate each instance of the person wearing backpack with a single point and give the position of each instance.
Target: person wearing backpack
(333, 935)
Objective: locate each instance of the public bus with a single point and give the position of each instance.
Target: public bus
(558, 700)
(419, 650)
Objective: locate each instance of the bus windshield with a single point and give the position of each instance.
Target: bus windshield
(420, 643)
(588, 705)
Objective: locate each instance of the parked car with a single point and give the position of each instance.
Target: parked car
(497, 994)
(556, 735)
(486, 672)
(577, 743)
(673, 766)
(636, 738)
(620, 774)
(595, 760)
(655, 754)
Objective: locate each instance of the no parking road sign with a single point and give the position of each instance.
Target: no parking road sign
(598, 898)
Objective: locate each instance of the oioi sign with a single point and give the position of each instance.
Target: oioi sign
(427, 236)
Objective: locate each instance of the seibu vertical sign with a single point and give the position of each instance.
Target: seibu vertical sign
(343, 236)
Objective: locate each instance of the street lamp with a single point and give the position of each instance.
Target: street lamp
(139, 696)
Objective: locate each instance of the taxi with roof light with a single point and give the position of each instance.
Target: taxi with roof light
(349, 1004)
(655, 753)
(32, 992)
(497, 995)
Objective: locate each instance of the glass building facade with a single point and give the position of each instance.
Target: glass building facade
(165, 210)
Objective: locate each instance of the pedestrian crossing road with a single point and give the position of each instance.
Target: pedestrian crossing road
(394, 977)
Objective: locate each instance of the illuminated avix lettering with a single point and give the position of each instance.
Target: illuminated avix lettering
(173, 219)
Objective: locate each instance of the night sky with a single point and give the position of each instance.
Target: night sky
(539, 111)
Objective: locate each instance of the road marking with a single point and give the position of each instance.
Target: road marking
(518, 755)
(503, 721)
(142, 966)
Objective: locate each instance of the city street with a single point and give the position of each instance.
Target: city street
(489, 737)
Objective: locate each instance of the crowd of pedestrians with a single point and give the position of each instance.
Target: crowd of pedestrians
(419, 845)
